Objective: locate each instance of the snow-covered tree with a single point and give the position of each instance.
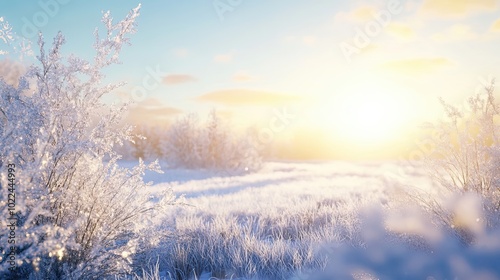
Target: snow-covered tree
(77, 213)
(215, 142)
(180, 145)
(211, 145)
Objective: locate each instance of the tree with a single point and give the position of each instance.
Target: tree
(181, 142)
(211, 145)
(216, 142)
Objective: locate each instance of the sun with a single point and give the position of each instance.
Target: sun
(367, 114)
(369, 117)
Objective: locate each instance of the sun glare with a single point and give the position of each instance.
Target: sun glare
(370, 114)
(371, 118)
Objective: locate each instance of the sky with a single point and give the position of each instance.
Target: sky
(321, 79)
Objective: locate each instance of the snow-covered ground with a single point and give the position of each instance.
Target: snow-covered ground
(292, 220)
(288, 180)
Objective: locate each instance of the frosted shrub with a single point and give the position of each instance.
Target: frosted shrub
(78, 214)
(464, 158)
(468, 144)
(405, 245)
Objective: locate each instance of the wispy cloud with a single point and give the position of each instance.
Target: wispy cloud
(224, 58)
(401, 30)
(495, 27)
(151, 102)
(457, 32)
(151, 114)
(417, 65)
(242, 97)
(443, 8)
(175, 79)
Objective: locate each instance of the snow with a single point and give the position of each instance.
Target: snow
(337, 176)
(308, 220)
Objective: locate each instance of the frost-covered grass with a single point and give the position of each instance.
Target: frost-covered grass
(298, 220)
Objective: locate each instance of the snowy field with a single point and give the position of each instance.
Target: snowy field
(334, 220)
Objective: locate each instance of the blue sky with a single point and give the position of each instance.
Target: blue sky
(268, 55)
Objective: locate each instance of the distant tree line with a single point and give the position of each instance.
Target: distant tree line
(192, 143)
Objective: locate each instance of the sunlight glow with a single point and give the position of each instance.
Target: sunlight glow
(371, 117)
(370, 113)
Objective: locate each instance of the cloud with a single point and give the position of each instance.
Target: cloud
(242, 76)
(149, 114)
(457, 7)
(401, 30)
(417, 65)
(224, 58)
(363, 13)
(151, 110)
(457, 32)
(151, 102)
(496, 26)
(242, 97)
(175, 79)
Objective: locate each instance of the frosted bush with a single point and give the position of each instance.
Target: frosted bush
(463, 158)
(466, 155)
(78, 214)
(406, 245)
